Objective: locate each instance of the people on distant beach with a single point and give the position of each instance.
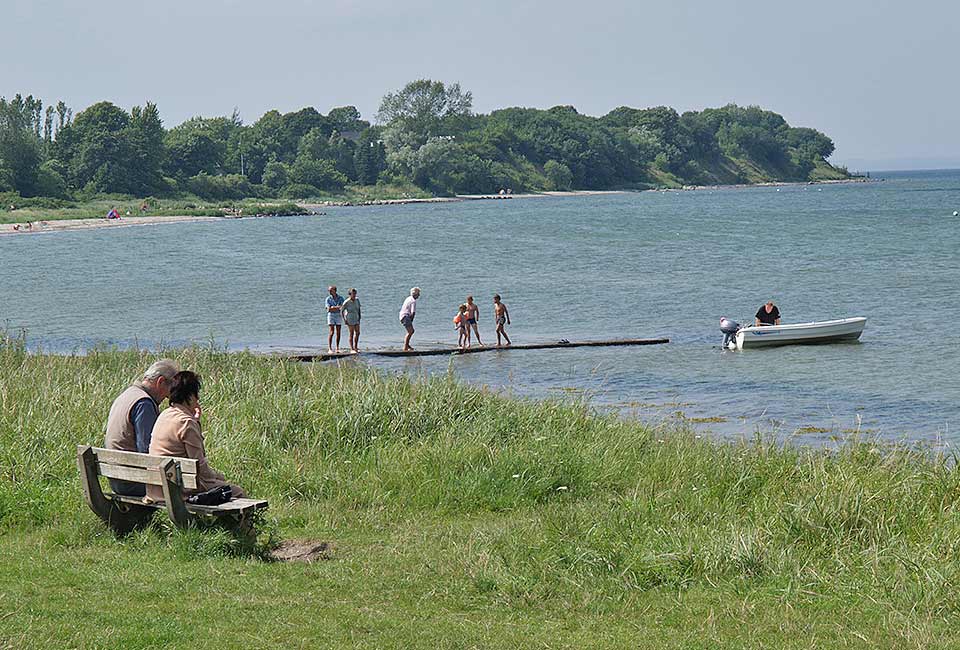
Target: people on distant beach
(460, 324)
(133, 415)
(768, 314)
(178, 433)
(334, 318)
(502, 317)
(351, 316)
(408, 312)
(113, 214)
(473, 317)
(143, 208)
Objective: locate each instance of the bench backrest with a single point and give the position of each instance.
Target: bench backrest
(142, 468)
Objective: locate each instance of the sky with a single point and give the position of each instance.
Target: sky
(878, 77)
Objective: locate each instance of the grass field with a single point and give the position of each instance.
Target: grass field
(461, 519)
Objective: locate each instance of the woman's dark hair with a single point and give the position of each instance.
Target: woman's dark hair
(185, 385)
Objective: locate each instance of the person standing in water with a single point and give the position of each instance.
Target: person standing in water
(351, 316)
(407, 313)
(473, 316)
(502, 317)
(334, 318)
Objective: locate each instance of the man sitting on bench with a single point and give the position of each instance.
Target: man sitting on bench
(177, 433)
(132, 415)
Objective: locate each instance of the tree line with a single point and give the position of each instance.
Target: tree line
(425, 134)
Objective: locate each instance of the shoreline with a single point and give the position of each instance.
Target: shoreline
(60, 225)
(459, 198)
(743, 186)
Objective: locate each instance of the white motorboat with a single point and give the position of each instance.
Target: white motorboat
(828, 331)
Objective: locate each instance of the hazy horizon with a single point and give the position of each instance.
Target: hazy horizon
(869, 75)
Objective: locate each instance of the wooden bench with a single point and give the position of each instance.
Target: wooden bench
(123, 514)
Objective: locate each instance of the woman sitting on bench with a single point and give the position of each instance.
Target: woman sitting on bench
(177, 433)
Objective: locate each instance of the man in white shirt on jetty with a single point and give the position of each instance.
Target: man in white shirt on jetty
(407, 313)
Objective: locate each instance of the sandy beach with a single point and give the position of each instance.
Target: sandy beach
(35, 227)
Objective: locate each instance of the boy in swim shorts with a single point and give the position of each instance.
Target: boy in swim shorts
(473, 315)
(502, 317)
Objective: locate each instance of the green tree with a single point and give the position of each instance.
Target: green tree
(558, 174)
(370, 158)
(321, 174)
(424, 109)
(195, 146)
(145, 136)
(276, 174)
(21, 143)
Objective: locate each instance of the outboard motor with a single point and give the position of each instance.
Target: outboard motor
(729, 329)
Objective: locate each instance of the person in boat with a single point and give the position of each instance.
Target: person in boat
(768, 314)
(502, 317)
(177, 433)
(351, 316)
(407, 313)
(133, 415)
(473, 315)
(334, 318)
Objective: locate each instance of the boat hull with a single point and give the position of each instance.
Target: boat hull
(832, 331)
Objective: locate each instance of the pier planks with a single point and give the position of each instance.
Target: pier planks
(430, 352)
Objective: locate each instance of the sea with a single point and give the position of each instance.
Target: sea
(589, 267)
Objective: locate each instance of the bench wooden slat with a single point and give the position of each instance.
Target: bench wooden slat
(142, 475)
(235, 506)
(134, 459)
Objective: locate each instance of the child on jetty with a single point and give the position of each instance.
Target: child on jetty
(502, 316)
(460, 323)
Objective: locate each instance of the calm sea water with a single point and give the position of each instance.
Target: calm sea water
(623, 265)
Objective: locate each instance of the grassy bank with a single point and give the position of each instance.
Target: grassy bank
(27, 210)
(459, 518)
(15, 209)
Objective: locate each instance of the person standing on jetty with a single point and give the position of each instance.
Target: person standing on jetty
(407, 313)
(502, 316)
(473, 315)
(768, 314)
(460, 323)
(334, 317)
(133, 415)
(351, 316)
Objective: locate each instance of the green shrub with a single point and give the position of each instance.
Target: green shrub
(299, 191)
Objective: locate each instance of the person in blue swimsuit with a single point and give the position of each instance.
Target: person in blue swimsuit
(334, 318)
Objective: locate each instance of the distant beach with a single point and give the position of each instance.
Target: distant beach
(58, 225)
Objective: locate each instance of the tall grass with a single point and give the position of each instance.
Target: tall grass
(589, 509)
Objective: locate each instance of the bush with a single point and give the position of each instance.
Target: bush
(275, 175)
(559, 175)
(6, 180)
(50, 183)
(318, 173)
(231, 186)
(299, 191)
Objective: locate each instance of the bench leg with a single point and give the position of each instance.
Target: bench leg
(122, 518)
(173, 494)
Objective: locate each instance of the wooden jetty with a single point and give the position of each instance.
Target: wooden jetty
(431, 352)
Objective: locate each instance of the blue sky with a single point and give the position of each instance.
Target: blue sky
(878, 77)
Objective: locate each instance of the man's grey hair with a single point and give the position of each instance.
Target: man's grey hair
(165, 368)
(414, 290)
